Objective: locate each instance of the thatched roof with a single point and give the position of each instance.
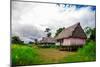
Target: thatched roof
(75, 31)
(47, 40)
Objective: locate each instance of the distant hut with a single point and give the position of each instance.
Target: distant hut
(47, 41)
(71, 38)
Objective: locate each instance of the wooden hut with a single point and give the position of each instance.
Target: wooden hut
(47, 41)
(72, 37)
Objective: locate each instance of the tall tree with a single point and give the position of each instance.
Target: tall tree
(48, 32)
(88, 31)
(58, 31)
(91, 33)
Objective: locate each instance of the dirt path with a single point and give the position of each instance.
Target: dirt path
(51, 55)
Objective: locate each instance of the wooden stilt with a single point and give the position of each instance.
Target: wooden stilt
(69, 48)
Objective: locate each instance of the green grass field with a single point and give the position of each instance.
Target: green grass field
(32, 55)
(26, 55)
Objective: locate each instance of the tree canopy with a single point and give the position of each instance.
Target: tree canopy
(48, 32)
(16, 39)
(58, 31)
(91, 33)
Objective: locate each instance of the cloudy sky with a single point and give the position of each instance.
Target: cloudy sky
(29, 20)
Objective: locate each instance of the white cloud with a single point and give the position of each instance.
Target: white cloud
(40, 16)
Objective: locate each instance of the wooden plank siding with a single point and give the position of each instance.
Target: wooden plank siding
(73, 41)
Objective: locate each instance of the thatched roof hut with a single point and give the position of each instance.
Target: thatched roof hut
(74, 31)
(47, 40)
(72, 36)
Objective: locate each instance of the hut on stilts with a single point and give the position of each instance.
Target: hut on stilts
(71, 38)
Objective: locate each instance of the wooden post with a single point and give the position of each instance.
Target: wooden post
(69, 48)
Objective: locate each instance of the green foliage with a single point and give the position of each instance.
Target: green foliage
(48, 46)
(16, 40)
(24, 55)
(91, 33)
(54, 46)
(47, 29)
(31, 42)
(88, 50)
(58, 31)
(87, 53)
(48, 32)
(88, 31)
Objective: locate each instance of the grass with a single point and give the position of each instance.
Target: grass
(52, 55)
(24, 55)
(30, 55)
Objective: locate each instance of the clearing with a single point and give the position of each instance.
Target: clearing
(52, 55)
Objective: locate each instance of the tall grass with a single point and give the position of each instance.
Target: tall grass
(89, 50)
(24, 55)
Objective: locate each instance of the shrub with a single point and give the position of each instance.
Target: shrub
(54, 46)
(24, 55)
(48, 46)
(88, 50)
